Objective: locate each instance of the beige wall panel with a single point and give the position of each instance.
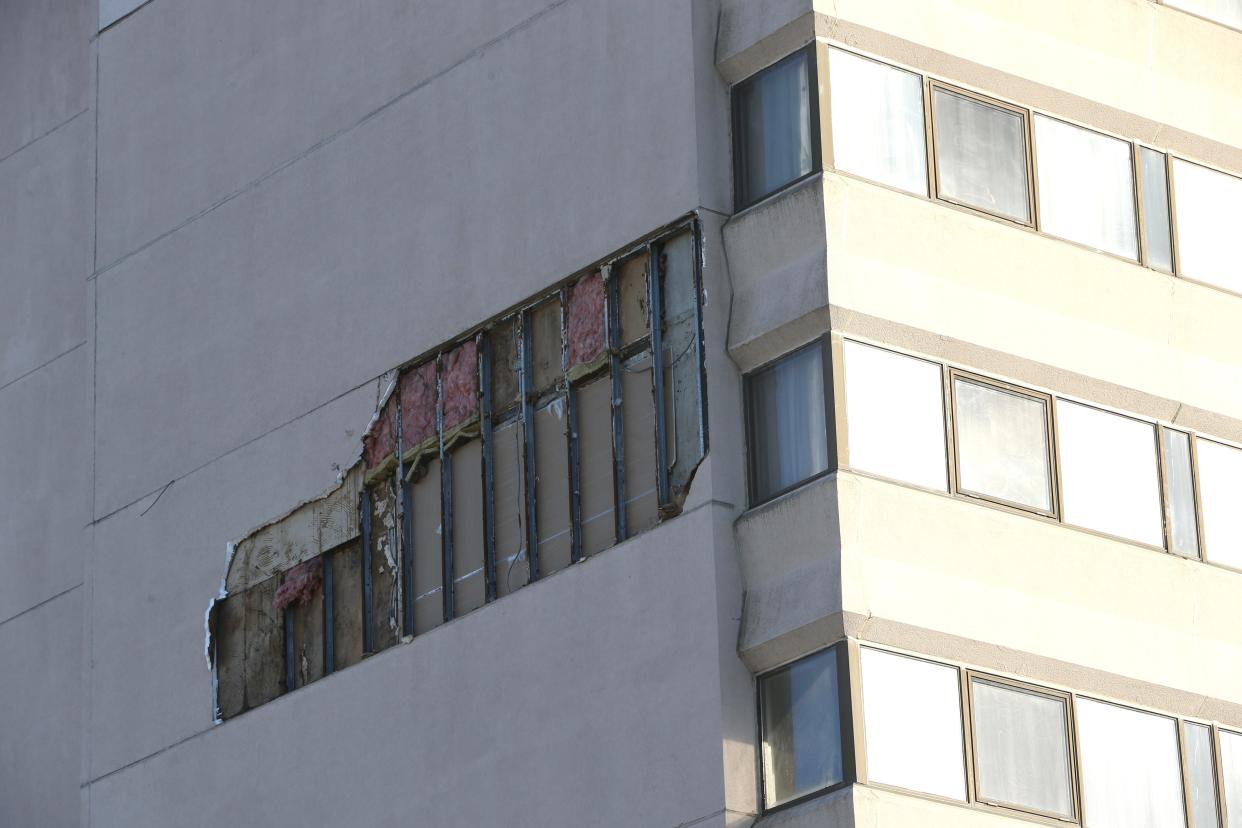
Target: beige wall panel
(879, 808)
(956, 274)
(468, 527)
(1136, 56)
(595, 458)
(1030, 585)
(428, 551)
(346, 606)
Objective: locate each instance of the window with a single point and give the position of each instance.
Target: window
(1002, 444)
(787, 423)
(1156, 210)
(1022, 753)
(895, 415)
(1208, 204)
(775, 128)
(801, 728)
(981, 158)
(877, 122)
(1201, 776)
(1231, 772)
(1179, 484)
(1220, 481)
(1086, 187)
(1228, 12)
(1131, 770)
(913, 724)
(1110, 477)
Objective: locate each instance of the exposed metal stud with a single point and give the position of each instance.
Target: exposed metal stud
(407, 556)
(612, 313)
(329, 617)
(446, 498)
(528, 450)
(290, 657)
(484, 350)
(655, 306)
(575, 474)
(368, 614)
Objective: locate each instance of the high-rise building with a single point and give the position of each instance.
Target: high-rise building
(621, 413)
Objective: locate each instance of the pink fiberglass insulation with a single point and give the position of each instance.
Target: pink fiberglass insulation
(381, 441)
(461, 384)
(418, 404)
(300, 584)
(586, 319)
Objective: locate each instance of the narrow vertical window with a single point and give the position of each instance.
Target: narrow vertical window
(787, 423)
(1110, 478)
(774, 143)
(1228, 12)
(1022, 754)
(1231, 772)
(1156, 209)
(1002, 444)
(877, 122)
(895, 415)
(1179, 486)
(981, 158)
(1086, 187)
(1131, 768)
(1201, 776)
(801, 722)
(912, 721)
(1207, 204)
(1220, 480)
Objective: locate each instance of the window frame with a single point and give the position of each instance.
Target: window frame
(806, 52)
(1052, 455)
(1136, 153)
(1192, 819)
(823, 342)
(931, 86)
(1166, 501)
(845, 712)
(1071, 745)
(1174, 228)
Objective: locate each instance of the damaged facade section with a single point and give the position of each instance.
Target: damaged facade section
(538, 440)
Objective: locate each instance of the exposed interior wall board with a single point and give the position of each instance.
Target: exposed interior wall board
(584, 322)
(512, 567)
(265, 644)
(548, 344)
(230, 640)
(385, 560)
(461, 385)
(417, 388)
(470, 583)
(502, 339)
(308, 636)
(552, 487)
(380, 442)
(428, 589)
(595, 457)
(336, 515)
(632, 298)
(347, 638)
(638, 411)
(685, 417)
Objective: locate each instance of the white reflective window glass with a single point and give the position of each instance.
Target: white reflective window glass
(1086, 187)
(877, 122)
(801, 728)
(1131, 768)
(1228, 12)
(894, 406)
(1231, 771)
(773, 140)
(1021, 749)
(1220, 495)
(913, 724)
(788, 428)
(1110, 473)
(1002, 445)
(1208, 204)
(1201, 775)
(1156, 210)
(1179, 479)
(981, 155)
